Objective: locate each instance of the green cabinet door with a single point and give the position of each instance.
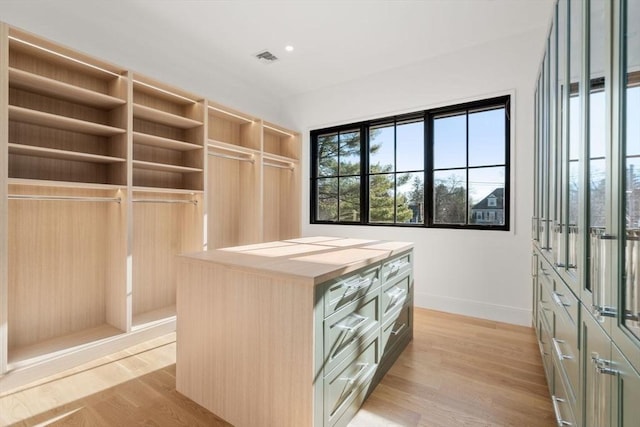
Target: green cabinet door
(625, 405)
(596, 385)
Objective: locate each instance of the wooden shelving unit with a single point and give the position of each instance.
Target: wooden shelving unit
(109, 175)
(233, 180)
(168, 133)
(281, 183)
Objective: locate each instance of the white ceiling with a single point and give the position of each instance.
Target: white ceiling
(335, 41)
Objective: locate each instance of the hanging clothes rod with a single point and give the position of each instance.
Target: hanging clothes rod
(278, 165)
(192, 201)
(229, 156)
(63, 198)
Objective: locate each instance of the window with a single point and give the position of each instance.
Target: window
(437, 168)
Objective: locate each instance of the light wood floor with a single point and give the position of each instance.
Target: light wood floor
(458, 371)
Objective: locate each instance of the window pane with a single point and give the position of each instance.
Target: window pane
(631, 290)
(598, 183)
(349, 199)
(410, 146)
(486, 196)
(381, 147)
(410, 198)
(449, 197)
(328, 155)
(381, 197)
(450, 142)
(349, 153)
(486, 138)
(327, 199)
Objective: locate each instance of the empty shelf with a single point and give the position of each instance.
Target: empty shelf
(162, 117)
(52, 153)
(41, 118)
(56, 89)
(163, 167)
(161, 142)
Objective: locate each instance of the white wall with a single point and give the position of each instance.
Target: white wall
(478, 273)
(173, 57)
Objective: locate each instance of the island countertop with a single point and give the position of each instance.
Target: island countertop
(318, 258)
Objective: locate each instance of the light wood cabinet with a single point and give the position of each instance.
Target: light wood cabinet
(107, 175)
(292, 333)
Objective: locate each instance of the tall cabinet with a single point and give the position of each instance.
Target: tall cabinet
(105, 176)
(586, 250)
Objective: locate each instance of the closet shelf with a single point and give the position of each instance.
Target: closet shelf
(214, 144)
(154, 317)
(51, 153)
(280, 159)
(140, 189)
(158, 92)
(161, 142)
(25, 43)
(162, 117)
(163, 167)
(56, 89)
(64, 184)
(41, 118)
(45, 350)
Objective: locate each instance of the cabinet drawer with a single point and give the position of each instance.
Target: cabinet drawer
(564, 402)
(565, 350)
(340, 292)
(545, 350)
(396, 266)
(345, 329)
(546, 307)
(394, 294)
(566, 302)
(349, 378)
(396, 328)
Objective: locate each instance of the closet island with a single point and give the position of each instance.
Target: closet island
(293, 332)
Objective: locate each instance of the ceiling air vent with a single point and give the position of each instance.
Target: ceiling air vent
(266, 57)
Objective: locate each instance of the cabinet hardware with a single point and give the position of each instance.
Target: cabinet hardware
(603, 366)
(557, 299)
(353, 379)
(559, 353)
(605, 311)
(360, 320)
(397, 331)
(355, 286)
(395, 296)
(556, 407)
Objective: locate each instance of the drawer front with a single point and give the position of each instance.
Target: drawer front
(546, 307)
(394, 294)
(349, 378)
(396, 328)
(396, 266)
(566, 302)
(545, 350)
(341, 292)
(565, 350)
(564, 403)
(345, 329)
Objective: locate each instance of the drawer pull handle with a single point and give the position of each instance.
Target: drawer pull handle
(397, 296)
(556, 346)
(353, 379)
(400, 328)
(557, 299)
(349, 326)
(395, 267)
(556, 407)
(355, 286)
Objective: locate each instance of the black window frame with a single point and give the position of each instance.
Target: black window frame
(428, 116)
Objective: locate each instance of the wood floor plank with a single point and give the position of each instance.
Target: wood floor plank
(458, 371)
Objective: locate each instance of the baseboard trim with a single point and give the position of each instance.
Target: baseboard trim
(483, 310)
